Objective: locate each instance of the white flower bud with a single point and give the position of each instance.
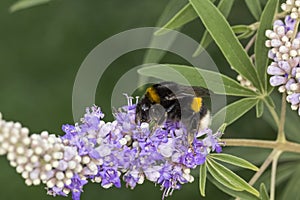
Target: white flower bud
(97, 179)
(66, 191)
(294, 15)
(28, 182)
(293, 53)
(59, 175)
(36, 181)
(55, 164)
(123, 141)
(51, 183)
(268, 33)
(69, 174)
(72, 164)
(268, 43)
(60, 184)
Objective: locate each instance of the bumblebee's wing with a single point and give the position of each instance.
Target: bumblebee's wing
(201, 92)
(184, 91)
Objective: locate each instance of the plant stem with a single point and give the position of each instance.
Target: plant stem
(273, 113)
(250, 43)
(273, 174)
(282, 146)
(263, 167)
(280, 15)
(281, 135)
(295, 30)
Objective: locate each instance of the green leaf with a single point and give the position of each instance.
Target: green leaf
(224, 37)
(284, 172)
(184, 16)
(246, 34)
(291, 190)
(218, 83)
(154, 55)
(240, 28)
(254, 155)
(261, 51)
(263, 192)
(269, 101)
(224, 6)
(222, 128)
(254, 7)
(221, 173)
(221, 177)
(233, 111)
(244, 195)
(23, 4)
(259, 108)
(233, 160)
(202, 179)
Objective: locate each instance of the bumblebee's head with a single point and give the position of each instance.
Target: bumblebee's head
(142, 110)
(149, 107)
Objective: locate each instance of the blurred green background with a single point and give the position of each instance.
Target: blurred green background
(43, 47)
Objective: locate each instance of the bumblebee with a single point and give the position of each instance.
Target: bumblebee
(171, 101)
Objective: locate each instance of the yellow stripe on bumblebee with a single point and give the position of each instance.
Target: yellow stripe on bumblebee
(152, 94)
(196, 104)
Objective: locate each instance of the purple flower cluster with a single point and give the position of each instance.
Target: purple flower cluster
(134, 152)
(108, 152)
(284, 44)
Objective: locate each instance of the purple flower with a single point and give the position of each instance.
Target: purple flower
(289, 23)
(76, 186)
(123, 149)
(110, 177)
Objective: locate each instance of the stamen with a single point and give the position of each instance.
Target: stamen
(137, 100)
(128, 98)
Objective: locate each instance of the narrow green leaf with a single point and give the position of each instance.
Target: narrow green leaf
(224, 6)
(253, 155)
(240, 28)
(259, 108)
(222, 128)
(269, 101)
(261, 51)
(23, 4)
(246, 34)
(154, 55)
(218, 83)
(224, 37)
(184, 16)
(233, 160)
(171, 9)
(254, 7)
(244, 195)
(233, 111)
(263, 192)
(230, 176)
(222, 178)
(202, 179)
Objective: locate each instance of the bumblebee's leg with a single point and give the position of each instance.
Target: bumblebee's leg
(193, 126)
